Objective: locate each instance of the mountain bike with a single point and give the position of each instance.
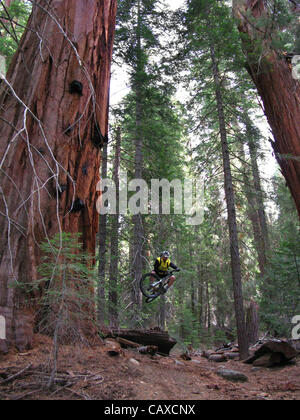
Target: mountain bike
(157, 288)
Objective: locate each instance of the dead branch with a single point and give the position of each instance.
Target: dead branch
(17, 375)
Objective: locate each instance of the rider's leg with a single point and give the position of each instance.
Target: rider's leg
(171, 281)
(152, 278)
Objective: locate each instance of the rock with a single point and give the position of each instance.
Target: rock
(256, 369)
(263, 395)
(295, 344)
(273, 352)
(232, 375)
(268, 360)
(185, 356)
(207, 353)
(134, 367)
(114, 348)
(134, 362)
(148, 350)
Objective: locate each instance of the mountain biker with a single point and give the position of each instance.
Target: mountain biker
(161, 267)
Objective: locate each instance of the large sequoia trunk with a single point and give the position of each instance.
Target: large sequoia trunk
(54, 118)
(272, 75)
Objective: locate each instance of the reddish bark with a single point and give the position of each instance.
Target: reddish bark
(50, 171)
(272, 75)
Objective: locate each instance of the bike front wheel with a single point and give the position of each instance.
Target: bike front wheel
(149, 286)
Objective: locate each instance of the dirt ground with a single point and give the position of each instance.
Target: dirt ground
(132, 376)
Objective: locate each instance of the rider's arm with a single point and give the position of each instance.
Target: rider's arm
(174, 266)
(156, 265)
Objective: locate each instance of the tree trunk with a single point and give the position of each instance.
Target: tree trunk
(200, 285)
(101, 303)
(54, 113)
(253, 148)
(114, 247)
(137, 218)
(280, 92)
(230, 200)
(162, 312)
(208, 308)
(252, 322)
(252, 211)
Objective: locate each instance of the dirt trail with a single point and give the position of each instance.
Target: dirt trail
(133, 376)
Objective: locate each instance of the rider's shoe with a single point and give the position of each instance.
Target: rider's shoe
(154, 288)
(165, 288)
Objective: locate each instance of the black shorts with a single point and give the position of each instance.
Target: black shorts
(161, 275)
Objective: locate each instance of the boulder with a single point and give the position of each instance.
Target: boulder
(272, 352)
(232, 375)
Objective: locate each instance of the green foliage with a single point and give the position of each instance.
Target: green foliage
(280, 291)
(67, 278)
(280, 288)
(13, 23)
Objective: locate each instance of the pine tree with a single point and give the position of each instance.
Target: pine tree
(209, 15)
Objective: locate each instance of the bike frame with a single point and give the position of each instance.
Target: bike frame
(163, 280)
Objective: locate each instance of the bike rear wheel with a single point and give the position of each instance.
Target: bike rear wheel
(148, 288)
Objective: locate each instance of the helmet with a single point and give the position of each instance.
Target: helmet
(165, 254)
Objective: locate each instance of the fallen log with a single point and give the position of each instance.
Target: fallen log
(127, 343)
(218, 358)
(232, 355)
(141, 349)
(158, 338)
